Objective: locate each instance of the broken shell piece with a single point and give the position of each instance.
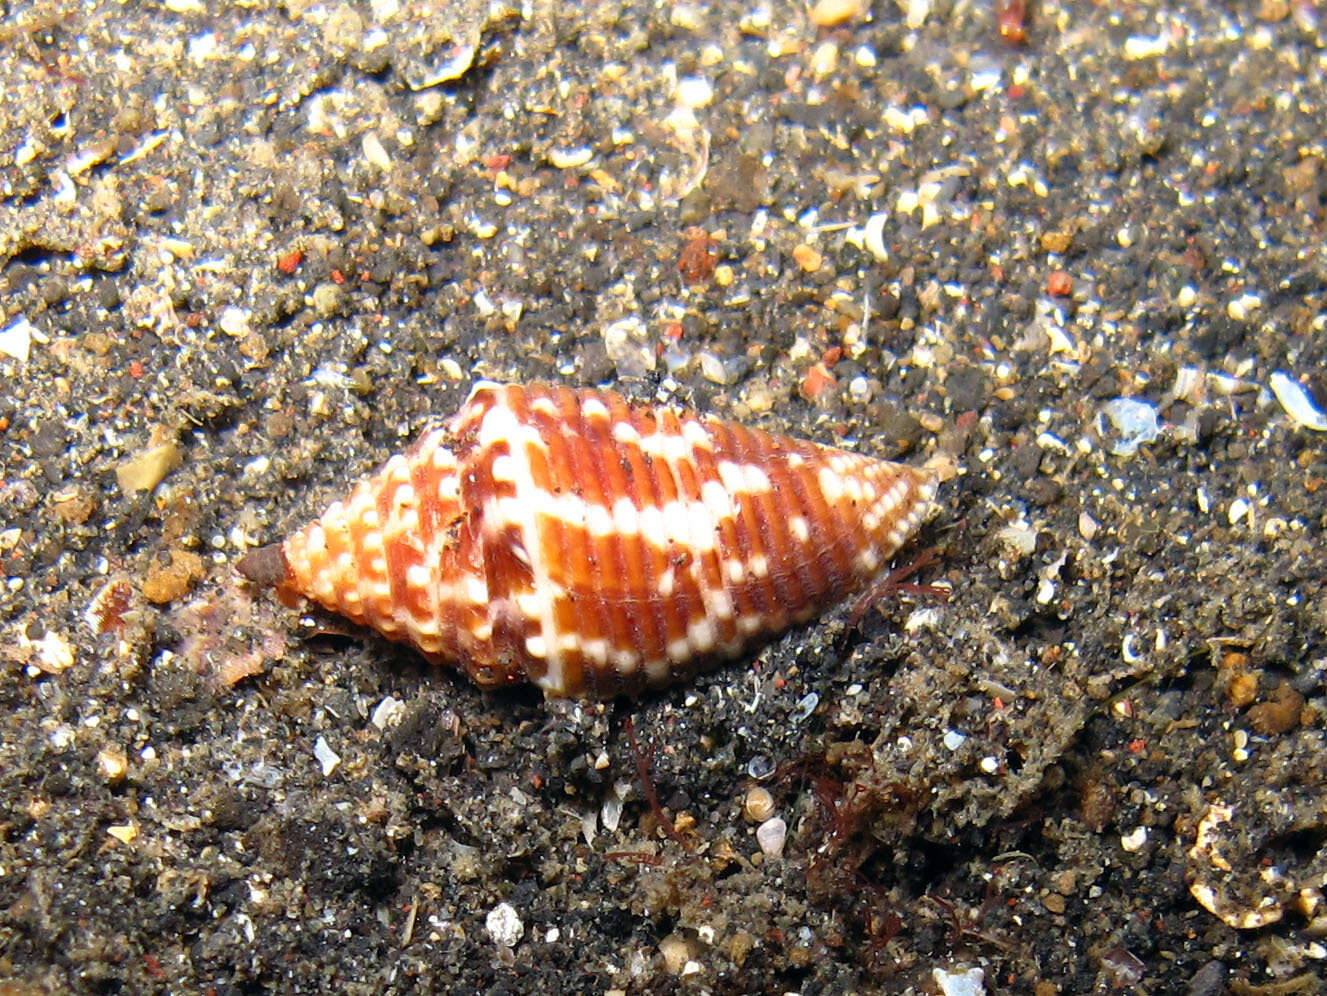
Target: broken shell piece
(1297, 402)
(1125, 424)
(1220, 893)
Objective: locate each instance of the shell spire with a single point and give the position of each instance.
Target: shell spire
(593, 547)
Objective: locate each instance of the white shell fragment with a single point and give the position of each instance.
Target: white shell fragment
(504, 926)
(1297, 402)
(16, 340)
(1131, 424)
(1213, 876)
(388, 713)
(772, 835)
(694, 92)
(960, 981)
(328, 759)
(570, 158)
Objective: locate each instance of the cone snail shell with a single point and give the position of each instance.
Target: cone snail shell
(593, 547)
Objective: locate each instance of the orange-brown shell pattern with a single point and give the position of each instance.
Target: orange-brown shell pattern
(593, 547)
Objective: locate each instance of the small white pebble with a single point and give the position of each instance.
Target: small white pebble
(676, 953)
(203, 48)
(234, 321)
(16, 340)
(328, 758)
(1238, 509)
(1045, 591)
(960, 982)
(374, 151)
(711, 368)
(915, 13)
(772, 835)
(824, 60)
(1141, 47)
(610, 810)
(1243, 306)
(503, 925)
(1240, 751)
(570, 158)
(694, 92)
(1087, 526)
(387, 713)
(985, 78)
(1296, 402)
(257, 467)
(55, 653)
(1134, 839)
(833, 13)
(874, 236)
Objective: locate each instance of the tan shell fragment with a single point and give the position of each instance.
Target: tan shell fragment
(1215, 892)
(593, 547)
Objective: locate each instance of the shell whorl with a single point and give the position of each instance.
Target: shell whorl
(593, 547)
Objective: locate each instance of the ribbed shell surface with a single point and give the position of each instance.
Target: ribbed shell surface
(593, 547)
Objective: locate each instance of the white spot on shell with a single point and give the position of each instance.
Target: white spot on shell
(831, 484)
(702, 635)
(594, 408)
(625, 432)
(696, 435)
(720, 604)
